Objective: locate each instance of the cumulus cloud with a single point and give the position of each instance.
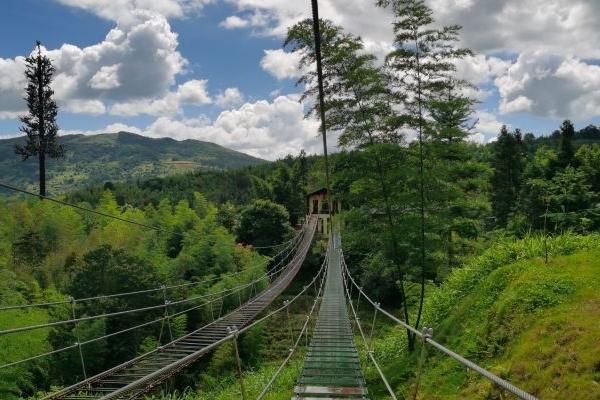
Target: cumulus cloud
(281, 64)
(192, 92)
(90, 107)
(134, 67)
(12, 84)
(557, 36)
(234, 22)
(487, 127)
(562, 27)
(106, 78)
(273, 17)
(130, 11)
(230, 97)
(264, 129)
(549, 85)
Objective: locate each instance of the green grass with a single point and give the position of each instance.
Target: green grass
(535, 325)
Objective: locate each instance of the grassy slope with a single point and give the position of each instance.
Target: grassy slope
(533, 324)
(117, 156)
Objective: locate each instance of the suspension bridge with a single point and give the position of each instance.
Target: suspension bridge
(332, 366)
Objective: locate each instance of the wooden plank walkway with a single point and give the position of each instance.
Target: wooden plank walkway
(331, 368)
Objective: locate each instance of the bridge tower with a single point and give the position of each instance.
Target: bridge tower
(317, 205)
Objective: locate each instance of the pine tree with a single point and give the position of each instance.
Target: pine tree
(566, 153)
(40, 123)
(422, 67)
(507, 162)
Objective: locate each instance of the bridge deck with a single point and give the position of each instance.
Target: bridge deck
(138, 376)
(331, 368)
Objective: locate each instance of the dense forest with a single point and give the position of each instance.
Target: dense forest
(495, 246)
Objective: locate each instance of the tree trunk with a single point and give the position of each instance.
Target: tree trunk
(42, 168)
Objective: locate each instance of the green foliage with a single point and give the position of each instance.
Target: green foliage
(493, 309)
(588, 159)
(119, 157)
(264, 223)
(49, 252)
(39, 125)
(507, 162)
(566, 153)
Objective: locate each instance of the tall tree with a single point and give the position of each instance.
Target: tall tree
(357, 106)
(507, 161)
(264, 223)
(40, 123)
(421, 69)
(566, 153)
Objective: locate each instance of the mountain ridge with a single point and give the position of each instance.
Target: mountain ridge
(119, 156)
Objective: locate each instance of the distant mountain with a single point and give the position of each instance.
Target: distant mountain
(118, 156)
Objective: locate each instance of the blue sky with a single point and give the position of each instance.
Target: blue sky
(214, 69)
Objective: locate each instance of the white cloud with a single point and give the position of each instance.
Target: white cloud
(564, 31)
(111, 128)
(12, 85)
(480, 69)
(234, 22)
(264, 129)
(358, 16)
(192, 92)
(134, 64)
(106, 78)
(281, 64)
(91, 107)
(519, 104)
(551, 86)
(130, 11)
(561, 27)
(487, 128)
(229, 97)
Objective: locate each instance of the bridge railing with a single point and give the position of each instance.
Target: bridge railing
(208, 300)
(231, 336)
(426, 337)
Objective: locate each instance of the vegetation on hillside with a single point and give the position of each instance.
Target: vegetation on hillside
(529, 322)
(49, 252)
(119, 156)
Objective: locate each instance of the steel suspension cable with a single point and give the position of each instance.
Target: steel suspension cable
(521, 394)
(114, 333)
(149, 308)
(225, 293)
(298, 339)
(208, 348)
(362, 334)
(293, 245)
(80, 208)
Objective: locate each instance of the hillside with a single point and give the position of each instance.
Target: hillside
(531, 323)
(118, 156)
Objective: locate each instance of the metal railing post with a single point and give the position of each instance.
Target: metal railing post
(73, 301)
(427, 334)
(233, 330)
(373, 326)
